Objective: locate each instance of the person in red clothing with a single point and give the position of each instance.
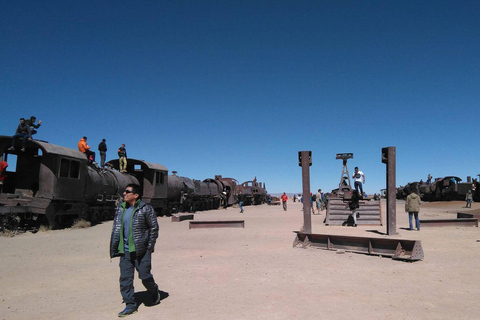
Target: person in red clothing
(3, 167)
(284, 198)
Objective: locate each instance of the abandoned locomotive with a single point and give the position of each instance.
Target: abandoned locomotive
(56, 185)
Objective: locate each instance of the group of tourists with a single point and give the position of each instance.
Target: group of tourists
(25, 130)
(102, 148)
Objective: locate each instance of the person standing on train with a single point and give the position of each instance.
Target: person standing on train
(134, 234)
(102, 147)
(122, 157)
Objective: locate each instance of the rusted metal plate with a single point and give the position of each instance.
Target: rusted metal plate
(181, 217)
(398, 249)
(15, 209)
(462, 222)
(473, 214)
(217, 224)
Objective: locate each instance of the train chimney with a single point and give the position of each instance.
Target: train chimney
(174, 173)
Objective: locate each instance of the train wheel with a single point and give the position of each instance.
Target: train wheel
(94, 216)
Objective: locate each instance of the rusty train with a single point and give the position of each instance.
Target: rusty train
(56, 185)
(442, 189)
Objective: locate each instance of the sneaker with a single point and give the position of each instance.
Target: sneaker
(126, 312)
(23, 149)
(11, 149)
(156, 298)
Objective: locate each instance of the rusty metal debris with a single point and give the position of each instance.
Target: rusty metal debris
(181, 217)
(473, 214)
(459, 222)
(397, 249)
(217, 224)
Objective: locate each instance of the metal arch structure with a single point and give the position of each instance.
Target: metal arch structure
(345, 177)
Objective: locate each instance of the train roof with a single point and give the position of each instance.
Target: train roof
(150, 165)
(51, 148)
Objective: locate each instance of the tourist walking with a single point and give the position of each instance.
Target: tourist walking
(134, 234)
(469, 199)
(284, 198)
(318, 200)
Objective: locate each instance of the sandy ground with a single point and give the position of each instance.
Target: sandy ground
(250, 273)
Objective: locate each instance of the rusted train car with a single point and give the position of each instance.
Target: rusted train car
(252, 192)
(56, 185)
(442, 189)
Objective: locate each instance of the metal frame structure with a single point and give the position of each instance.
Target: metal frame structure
(345, 174)
(459, 222)
(397, 249)
(217, 224)
(181, 217)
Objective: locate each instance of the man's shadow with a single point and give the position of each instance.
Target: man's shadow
(143, 297)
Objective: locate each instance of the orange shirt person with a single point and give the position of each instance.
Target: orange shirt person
(83, 147)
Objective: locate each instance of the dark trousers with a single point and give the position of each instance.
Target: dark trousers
(20, 135)
(128, 263)
(357, 185)
(103, 155)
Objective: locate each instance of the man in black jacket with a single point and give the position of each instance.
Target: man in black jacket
(23, 131)
(102, 147)
(134, 233)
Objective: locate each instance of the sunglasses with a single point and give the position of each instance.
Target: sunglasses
(128, 191)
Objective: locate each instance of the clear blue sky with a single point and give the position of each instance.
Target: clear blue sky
(239, 87)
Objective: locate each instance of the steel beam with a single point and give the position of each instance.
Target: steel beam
(305, 161)
(397, 249)
(389, 158)
(217, 224)
(459, 222)
(181, 217)
(475, 215)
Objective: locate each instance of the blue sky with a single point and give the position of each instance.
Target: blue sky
(237, 88)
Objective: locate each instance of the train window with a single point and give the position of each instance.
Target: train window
(137, 167)
(64, 165)
(159, 178)
(69, 168)
(74, 169)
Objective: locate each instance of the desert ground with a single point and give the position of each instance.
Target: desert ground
(250, 273)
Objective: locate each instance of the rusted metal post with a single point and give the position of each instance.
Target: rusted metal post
(305, 161)
(389, 158)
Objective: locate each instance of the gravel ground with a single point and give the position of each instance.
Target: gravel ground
(250, 273)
